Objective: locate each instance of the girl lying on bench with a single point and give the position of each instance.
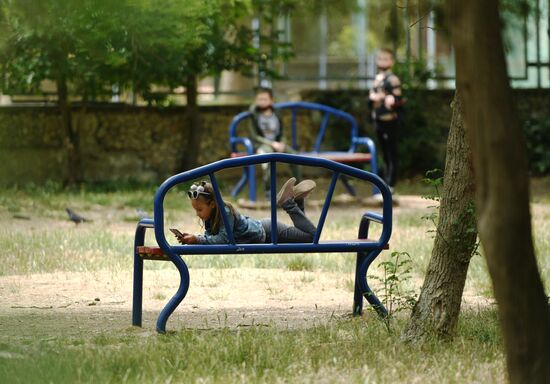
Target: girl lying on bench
(247, 230)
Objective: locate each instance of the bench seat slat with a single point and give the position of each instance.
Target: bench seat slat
(156, 253)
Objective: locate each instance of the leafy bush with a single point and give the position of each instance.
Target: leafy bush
(537, 133)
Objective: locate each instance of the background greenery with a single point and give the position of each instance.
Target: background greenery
(426, 119)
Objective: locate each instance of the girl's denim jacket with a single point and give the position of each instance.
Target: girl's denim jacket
(245, 230)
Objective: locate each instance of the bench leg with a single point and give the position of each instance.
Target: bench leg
(362, 265)
(138, 278)
(178, 297)
(364, 286)
(240, 184)
(357, 294)
(348, 186)
(138, 291)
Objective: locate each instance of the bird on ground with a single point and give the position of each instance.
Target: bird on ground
(75, 217)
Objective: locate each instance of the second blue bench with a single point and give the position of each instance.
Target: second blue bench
(361, 148)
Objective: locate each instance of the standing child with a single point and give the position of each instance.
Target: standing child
(266, 132)
(385, 98)
(245, 229)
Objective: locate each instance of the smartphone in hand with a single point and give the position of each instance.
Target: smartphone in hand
(178, 235)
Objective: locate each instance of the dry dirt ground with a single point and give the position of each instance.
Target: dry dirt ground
(50, 305)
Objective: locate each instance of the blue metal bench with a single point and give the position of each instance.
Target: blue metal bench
(367, 250)
(242, 146)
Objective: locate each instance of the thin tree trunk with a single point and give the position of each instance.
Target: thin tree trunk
(72, 139)
(194, 126)
(502, 188)
(437, 309)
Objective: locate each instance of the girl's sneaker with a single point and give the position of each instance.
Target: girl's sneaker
(286, 192)
(302, 189)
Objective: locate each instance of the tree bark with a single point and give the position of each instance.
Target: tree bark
(194, 125)
(72, 139)
(437, 309)
(502, 188)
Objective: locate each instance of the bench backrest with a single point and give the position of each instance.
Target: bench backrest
(327, 112)
(273, 159)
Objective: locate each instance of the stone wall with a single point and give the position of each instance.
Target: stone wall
(121, 142)
(116, 142)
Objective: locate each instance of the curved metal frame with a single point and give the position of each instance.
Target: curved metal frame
(366, 251)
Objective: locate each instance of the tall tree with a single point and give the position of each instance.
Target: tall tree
(87, 46)
(174, 45)
(502, 191)
(75, 44)
(438, 306)
(39, 43)
(229, 45)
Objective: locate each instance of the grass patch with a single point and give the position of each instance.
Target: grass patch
(353, 350)
(300, 263)
(342, 350)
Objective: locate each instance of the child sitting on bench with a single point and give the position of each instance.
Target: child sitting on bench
(248, 230)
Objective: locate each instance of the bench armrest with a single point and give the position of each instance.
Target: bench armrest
(366, 141)
(146, 223)
(364, 225)
(374, 217)
(142, 226)
(235, 141)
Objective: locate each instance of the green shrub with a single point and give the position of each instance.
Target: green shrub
(537, 134)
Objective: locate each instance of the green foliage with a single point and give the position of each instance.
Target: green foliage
(57, 41)
(537, 132)
(434, 179)
(393, 294)
(134, 44)
(422, 139)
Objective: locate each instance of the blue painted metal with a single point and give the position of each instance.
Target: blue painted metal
(326, 206)
(273, 195)
(220, 203)
(138, 270)
(237, 142)
(240, 184)
(321, 135)
(363, 261)
(366, 250)
(252, 182)
(294, 130)
(367, 142)
(348, 186)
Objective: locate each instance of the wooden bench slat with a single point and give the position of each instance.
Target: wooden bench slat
(156, 253)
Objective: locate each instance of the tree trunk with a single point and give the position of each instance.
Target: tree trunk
(194, 126)
(502, 188)
(437, 309)
(72, 139)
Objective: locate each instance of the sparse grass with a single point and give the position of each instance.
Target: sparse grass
(340, 351)
(72, 249)
(300, 263)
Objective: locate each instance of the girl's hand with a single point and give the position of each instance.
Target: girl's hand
(190, 239)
